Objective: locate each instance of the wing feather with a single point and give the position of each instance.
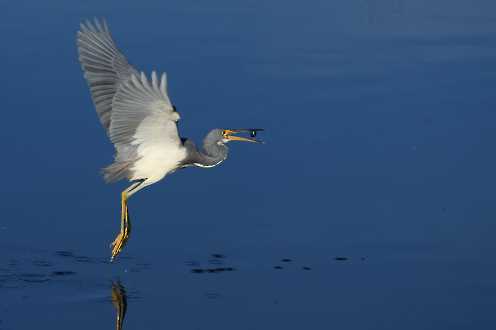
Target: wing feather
(163, 84)
(135, 111)
(105, 67)
(142, 109)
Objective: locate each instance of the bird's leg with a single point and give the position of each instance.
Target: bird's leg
(123, 235)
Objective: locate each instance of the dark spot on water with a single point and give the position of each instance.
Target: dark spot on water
(63, 273)
(286, 260)
(218, 256)
(362, 258)
(212, 270)
(215, 270)
(341, 258)
(306, 268)
(215, 262)
(64, 254)
(278, 267)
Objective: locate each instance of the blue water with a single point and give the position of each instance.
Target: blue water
(371, 206)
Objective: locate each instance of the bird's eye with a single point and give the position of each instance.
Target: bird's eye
(174, 108)
(224, 133)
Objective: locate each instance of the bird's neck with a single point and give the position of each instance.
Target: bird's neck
(212, 154)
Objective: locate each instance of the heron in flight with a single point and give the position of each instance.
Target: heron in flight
(141, 122)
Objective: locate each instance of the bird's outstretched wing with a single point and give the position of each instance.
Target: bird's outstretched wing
(142, 113)
(135, 111)
(104, 66)
(143, 120)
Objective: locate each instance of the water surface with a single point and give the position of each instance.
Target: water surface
(370, 207)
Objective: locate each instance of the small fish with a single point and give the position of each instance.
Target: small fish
(253, 131)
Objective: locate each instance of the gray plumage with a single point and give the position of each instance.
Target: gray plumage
(213, 152)
(138, 115)
(123, 97)
(104, 66)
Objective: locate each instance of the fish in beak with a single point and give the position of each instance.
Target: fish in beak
(229, 134)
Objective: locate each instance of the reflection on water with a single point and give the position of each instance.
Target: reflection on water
(79, 287)
(119, 300)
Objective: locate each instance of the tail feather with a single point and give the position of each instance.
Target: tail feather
(116, 171)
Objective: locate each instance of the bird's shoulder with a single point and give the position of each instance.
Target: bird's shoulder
(189, 145)
(191, 152)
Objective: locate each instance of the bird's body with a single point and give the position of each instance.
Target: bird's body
(140, 120)
(154, 165)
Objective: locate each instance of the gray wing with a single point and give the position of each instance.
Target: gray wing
(144, 131)
(104, 66)
(142, 114)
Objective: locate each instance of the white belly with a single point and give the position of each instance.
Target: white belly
(153, 163)
(159, 148)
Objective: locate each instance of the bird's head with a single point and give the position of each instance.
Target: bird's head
(215, 144)
(221, 136)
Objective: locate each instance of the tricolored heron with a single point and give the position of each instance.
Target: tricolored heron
(141, 121)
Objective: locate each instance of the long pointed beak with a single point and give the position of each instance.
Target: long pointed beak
(229, 134)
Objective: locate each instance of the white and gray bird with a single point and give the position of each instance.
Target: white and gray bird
(140, 121)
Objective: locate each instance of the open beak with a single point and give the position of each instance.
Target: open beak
(229, 134)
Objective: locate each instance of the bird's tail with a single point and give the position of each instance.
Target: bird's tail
(116, 171)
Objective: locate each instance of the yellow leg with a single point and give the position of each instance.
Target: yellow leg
(123, 235)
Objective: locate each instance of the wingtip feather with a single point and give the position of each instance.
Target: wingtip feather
(163, 84)
(155, 81)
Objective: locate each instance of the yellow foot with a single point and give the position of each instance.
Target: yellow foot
(118, 244)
